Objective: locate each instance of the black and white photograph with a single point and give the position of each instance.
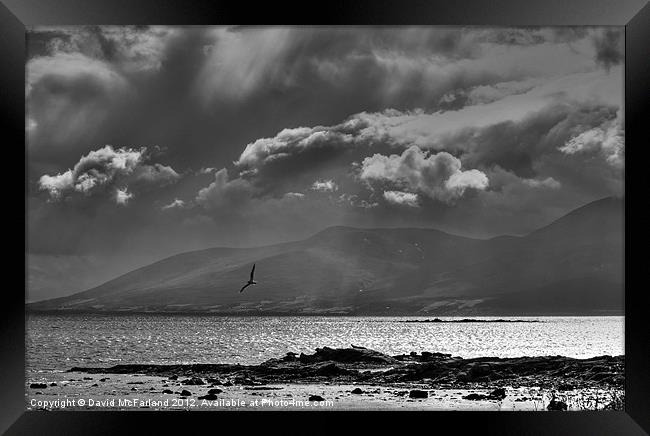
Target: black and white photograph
(325, 218)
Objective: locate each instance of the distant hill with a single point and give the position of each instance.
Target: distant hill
(572, 266)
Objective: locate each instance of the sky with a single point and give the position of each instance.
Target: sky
(143, 142)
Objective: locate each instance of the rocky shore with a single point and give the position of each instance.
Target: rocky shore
(354, 378)
(361, 365)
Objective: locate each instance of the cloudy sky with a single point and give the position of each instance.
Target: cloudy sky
(148, 141)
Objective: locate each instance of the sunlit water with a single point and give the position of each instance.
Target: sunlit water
(58, 342)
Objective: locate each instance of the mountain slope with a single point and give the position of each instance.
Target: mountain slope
(388, 271)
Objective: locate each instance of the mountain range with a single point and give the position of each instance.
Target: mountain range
(573, 266)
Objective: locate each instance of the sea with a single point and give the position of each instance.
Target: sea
(55, 343)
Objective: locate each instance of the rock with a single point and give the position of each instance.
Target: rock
(38, 386)
(475, 397)
(88, 378)
(330, 369)
(601, 376)
(209, 396)
(316, 398)
(556, 405)
(479, 370)
(289, 357)
(185, 393)
(52, 384)
(498, 394)
(357, 391)
(261, 388)
(214, 381)
(193, 381)
(215, 391)
(167, 391)
(103, 379)
(134, 389)
(246, 381)
(347, 355)
(94, 385)
(417, 393)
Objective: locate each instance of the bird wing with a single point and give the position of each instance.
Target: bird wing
(252, 273)
(245, 286)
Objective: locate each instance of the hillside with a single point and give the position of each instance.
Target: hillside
(574, 265)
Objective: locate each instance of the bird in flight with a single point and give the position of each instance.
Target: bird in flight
(250, 281)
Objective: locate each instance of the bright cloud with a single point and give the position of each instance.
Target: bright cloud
(103, 169)
(401, 198)
(438, 176)
(324, 186)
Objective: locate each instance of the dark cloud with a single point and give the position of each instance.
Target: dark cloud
(271, 134)
(609, 44)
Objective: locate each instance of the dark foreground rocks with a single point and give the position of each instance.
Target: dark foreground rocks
(556, 405)
(497, 394)
(362, 365)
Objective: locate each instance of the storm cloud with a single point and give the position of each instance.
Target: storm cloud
(255, 135)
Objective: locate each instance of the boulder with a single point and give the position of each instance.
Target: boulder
(38, 386)
(498, 394)
(475, 397)
(556, 405)
(209, 396)
(167, 391)
(417, 393)
(357, 391)
(215, 391)
(316, 398)
(185, 393)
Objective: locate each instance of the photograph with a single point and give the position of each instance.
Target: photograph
(349, 218)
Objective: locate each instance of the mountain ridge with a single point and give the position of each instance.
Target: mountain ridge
(383, 271)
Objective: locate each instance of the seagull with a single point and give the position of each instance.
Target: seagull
(250, 281)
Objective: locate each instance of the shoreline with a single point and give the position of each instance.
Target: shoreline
(357, 378)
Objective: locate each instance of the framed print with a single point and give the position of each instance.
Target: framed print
(410, 212)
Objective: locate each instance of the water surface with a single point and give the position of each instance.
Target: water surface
(58, 342)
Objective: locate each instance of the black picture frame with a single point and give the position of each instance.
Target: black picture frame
(15, 15)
